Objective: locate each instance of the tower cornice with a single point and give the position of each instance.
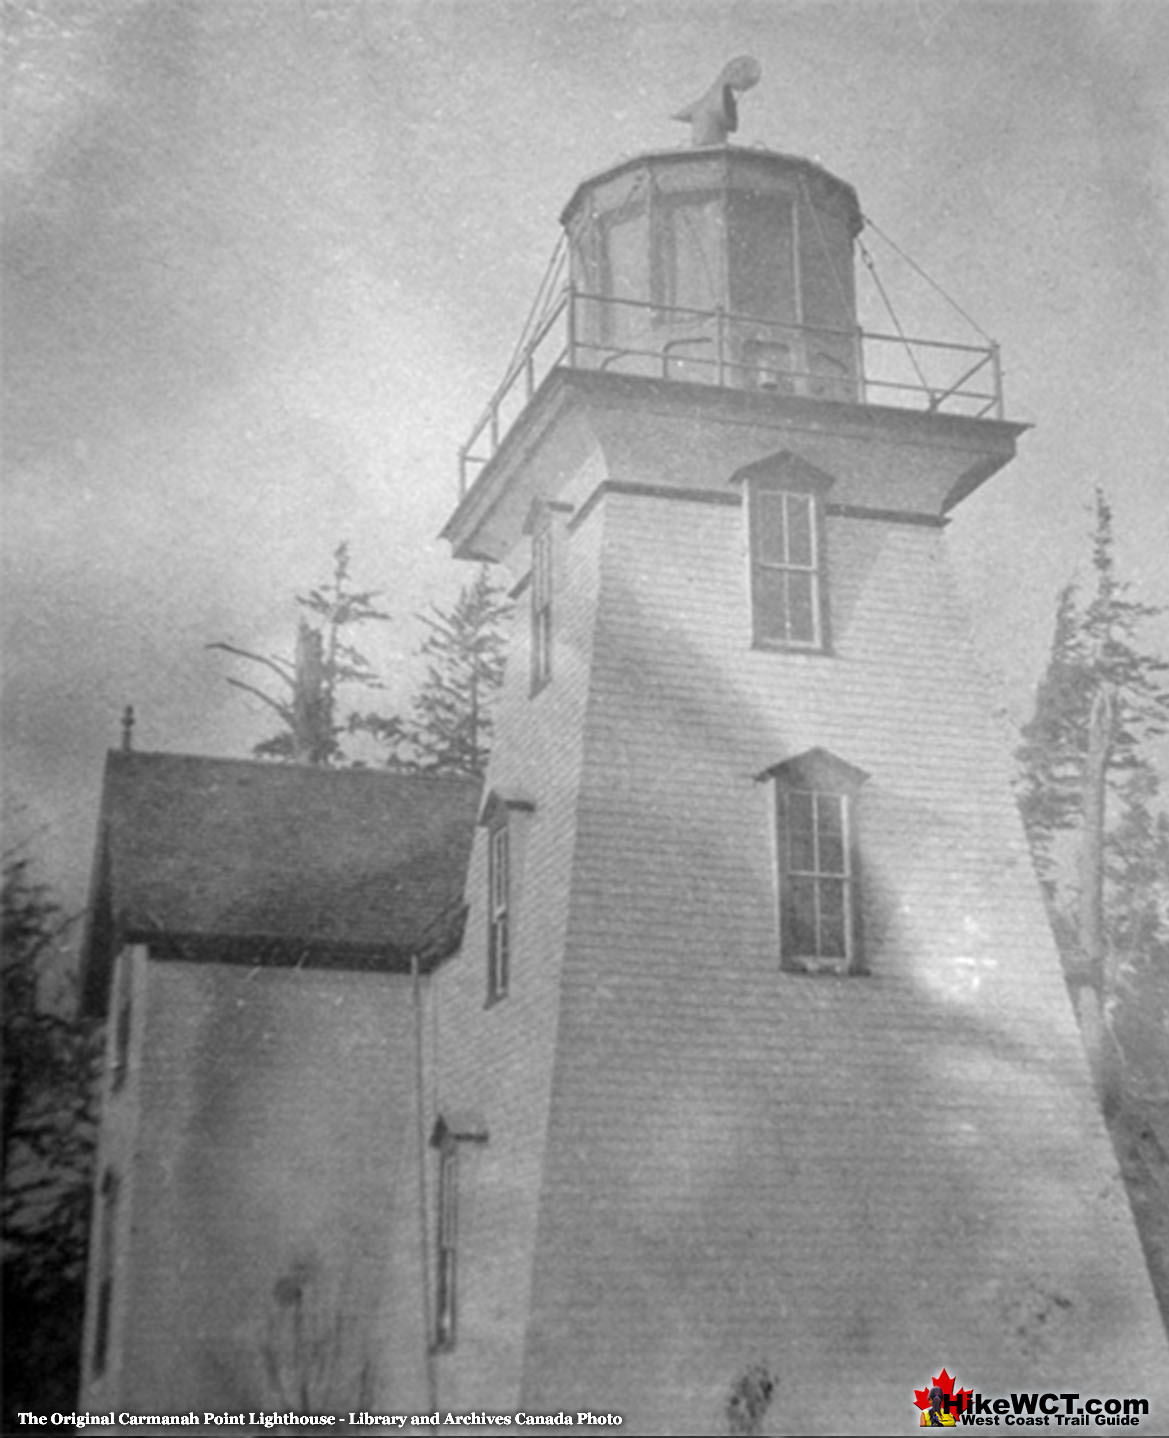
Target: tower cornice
(696, 436)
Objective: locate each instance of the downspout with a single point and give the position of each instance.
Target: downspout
(423, 1212)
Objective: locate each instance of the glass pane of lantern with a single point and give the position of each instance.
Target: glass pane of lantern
(760, 258)
(626, 275)
(627, 257)
(691, 256)
(826, 263)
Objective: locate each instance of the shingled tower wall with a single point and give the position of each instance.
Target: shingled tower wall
(713, 1141)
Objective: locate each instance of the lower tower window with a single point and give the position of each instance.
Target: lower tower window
(817, 887)
(818, 863)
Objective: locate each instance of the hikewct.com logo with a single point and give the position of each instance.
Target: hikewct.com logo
(939, 1403)
(943, 1405)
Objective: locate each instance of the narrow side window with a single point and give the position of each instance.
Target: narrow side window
(541, 607)
(498, 904)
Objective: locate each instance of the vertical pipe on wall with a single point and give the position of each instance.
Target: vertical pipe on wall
(423, 1214)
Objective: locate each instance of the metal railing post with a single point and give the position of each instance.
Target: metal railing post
(858, 350)
(996, 361)
(720, 345)
(571, 325)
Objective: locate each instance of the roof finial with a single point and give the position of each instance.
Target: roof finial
(127, 729)
(716, 115)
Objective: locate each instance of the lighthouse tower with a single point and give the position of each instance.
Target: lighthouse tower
(757, 1050)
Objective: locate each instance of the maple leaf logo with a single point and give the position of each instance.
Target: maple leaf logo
(921, 1396)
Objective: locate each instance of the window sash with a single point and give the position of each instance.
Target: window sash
(785, 568)
(817, 882)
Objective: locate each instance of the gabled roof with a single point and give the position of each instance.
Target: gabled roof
(785, 468)
(499, 801)
(459, 1126)
(816, 768)
(279, 863)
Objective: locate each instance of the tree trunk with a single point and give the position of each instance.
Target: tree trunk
(311, 727)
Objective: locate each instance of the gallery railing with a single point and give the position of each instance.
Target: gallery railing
(583, 331)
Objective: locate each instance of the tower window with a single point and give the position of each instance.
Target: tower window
(498, 902)
(541, 607)
(504, 816)
(819, 899)
(817, 881)
(787, 609)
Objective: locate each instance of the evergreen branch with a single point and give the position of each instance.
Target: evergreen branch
(277, 666)
(281, 709)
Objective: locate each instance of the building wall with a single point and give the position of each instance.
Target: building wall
(269, 1143)
(852, 1180)
(498, 1059)
(110, 1230)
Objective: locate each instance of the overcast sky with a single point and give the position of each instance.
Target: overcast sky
(266, 259)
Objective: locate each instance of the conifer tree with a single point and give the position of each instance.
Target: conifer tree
(1094, 647)
(1096, 651)
(1090, 800)
(1050, 755)
(449, 729)
(50, 1060)
(325, 660)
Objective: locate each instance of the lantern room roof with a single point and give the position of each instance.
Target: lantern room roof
(737, 163)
